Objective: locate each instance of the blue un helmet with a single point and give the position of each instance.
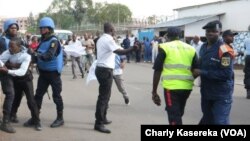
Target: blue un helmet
(8, 23)
(47, 22)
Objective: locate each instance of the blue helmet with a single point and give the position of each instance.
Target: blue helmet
(47, 22)
(8, 23)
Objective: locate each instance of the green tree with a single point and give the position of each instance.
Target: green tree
(63, 10)
(114, 13)
(32, 26)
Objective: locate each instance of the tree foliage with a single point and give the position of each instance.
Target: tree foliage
(31, 23)
(68, 13)
(114, 13)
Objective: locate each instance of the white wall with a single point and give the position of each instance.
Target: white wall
(196, 28)
(236, 17)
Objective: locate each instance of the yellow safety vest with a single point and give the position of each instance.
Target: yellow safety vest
(176, 74)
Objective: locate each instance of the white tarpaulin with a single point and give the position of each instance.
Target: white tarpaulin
(91, 75)
(74, 51)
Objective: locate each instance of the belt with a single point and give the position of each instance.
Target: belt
(103, 68)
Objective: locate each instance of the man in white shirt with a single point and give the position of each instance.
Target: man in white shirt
(74, 59)
(106, 49)
(17, 79)
(196, 43)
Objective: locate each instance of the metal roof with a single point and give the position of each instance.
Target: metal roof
(184, 21)
(205, 4)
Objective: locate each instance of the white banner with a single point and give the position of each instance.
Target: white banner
(74, 51)
(91, 75)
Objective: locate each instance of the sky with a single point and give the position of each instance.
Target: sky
(139, 8)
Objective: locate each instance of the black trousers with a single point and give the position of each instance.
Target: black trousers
(25, 86)
(247, 72)
(175, 104)
(128, 57)
(105, 79)
(8, 89)
(138, 55)
(45, 79)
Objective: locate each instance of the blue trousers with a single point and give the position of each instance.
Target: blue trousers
(216, 111)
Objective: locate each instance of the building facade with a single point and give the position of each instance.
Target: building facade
(233, 15)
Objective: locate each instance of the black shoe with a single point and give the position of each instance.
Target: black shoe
(107, 122)
(126, 99)
(102, 129)
(38, 126)
(14, 119)
(5, 126)
(57, 123)
(29, 123)
(82, 75)
(74, 77)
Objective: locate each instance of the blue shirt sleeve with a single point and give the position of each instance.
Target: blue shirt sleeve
(224, 73)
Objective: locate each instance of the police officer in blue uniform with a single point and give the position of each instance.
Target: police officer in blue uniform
(10, 31)
(216, 77)
(50, 65)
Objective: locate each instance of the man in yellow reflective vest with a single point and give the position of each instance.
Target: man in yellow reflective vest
(174, 64)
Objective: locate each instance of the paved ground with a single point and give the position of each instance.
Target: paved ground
(80, 102)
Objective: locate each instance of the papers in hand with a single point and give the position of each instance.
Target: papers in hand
(74, 51)
(91, 75)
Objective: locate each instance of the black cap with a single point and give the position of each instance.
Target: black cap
(229, 32)
(214, 24)
(173, 32)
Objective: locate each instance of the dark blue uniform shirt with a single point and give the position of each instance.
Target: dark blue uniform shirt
(216, 73)
(126, 43)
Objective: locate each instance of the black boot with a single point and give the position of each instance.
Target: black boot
(31, 123)
(248, 93)
(59, 120)
(13, 118)
(101, 128)
(5, 125)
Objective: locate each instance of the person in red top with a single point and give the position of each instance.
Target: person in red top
(34, 43)
(33, 47)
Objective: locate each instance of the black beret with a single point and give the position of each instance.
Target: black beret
(214, 24)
